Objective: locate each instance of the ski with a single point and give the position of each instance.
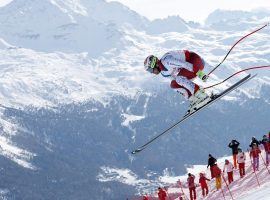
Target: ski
(185, 117)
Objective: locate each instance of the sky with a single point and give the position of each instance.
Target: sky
(190, 10)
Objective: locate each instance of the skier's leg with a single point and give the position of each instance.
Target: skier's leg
(190, 194)
(267, 154)
(192, 91)
(240, 166)
(194, 191)
(234, 161)
(254, 164)
(203, 192)
(257, 166)
(231, 176)
(181, 89)
(187, 84)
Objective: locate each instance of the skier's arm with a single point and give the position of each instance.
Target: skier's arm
(176, 60)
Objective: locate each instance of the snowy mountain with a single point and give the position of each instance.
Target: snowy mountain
(69, 26)
(75, 99)
(236, 20)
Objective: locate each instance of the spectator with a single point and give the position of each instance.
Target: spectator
(254, 141)
(266, 143)
(211, 162)
(234, 146)
(217, 175)
(191, 186)
(145, 197)
(241, 157)
(228, 167)
(161, 194)
(254, 153)
(203, 184)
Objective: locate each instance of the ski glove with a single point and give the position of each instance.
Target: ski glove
(202, 75)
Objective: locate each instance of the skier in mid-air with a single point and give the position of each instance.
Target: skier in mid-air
(182, 66)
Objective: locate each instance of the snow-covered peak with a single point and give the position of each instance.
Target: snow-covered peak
(236, 20)
(70, 26)
(169, 24)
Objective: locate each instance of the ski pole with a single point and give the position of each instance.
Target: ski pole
(223, 194)
(236, 44)
(182, 189)
(227, 186)
(265, 163)
(254, 171)
(167, 192)
(238, 72)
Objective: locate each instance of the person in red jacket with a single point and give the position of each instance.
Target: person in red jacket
(266, 143)
(161, 194)
(211, 162)
(145, 197)
(191, 186)
(217, 175)
(203, 184)
(254, 153)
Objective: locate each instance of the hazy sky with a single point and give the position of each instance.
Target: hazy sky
(187, 9)
(190, 9)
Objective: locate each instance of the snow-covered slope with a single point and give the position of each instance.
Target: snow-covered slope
(225, 20)
(73, 92)
(245, 188)
(70, 26)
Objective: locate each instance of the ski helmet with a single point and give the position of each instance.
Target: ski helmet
(150, 63)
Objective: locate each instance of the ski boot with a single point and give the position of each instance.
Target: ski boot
(199, 99)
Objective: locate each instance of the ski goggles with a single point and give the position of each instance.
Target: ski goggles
(151, 65)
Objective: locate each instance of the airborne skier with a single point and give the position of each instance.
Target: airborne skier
(182, 66)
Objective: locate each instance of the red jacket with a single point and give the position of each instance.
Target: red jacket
(203, 182)
(267, 146)
(254, 153)
(162, 194)
(190, 181)
(216, 171)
